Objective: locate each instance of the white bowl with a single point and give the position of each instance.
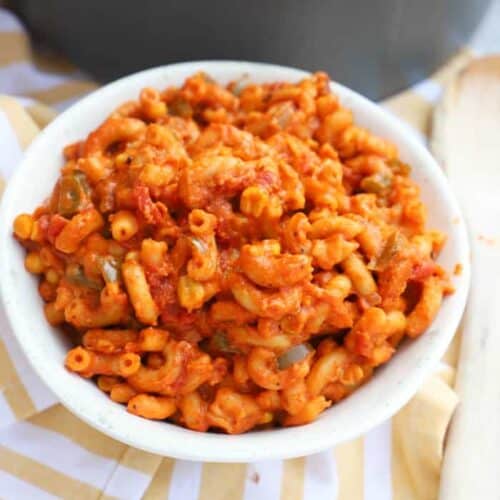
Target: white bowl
(392, 385)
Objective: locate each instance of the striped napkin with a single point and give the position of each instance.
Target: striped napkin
(46, 452)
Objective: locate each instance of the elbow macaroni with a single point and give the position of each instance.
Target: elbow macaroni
(234, 261)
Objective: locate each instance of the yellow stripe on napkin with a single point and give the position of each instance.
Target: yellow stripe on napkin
(292, 483)
(350, 457)
(46, 478)
(231, 476)
(15, 47)
(13, 390)
(23, 125)
(160, 484)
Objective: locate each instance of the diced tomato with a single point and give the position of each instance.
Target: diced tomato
(55, 226)
(423, 270)
(267, 178)
(162, 290)
(153, 213)
(174, 314)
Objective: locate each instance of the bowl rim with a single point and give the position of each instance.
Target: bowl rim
(295, 441)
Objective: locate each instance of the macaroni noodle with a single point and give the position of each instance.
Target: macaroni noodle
(233, 258)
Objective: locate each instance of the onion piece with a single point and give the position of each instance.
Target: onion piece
(180, 107)
(284, 113)
(110, 269)
(69, 196)
(74, 193)
(294, 355)
(81, 178)
(222, 343)
(76, 275)
(237, 87)
(199, 244)
(376, 183)
(394, 244)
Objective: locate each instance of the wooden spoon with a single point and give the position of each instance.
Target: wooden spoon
(466, 137)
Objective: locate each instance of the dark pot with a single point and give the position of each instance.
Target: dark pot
(376, 47)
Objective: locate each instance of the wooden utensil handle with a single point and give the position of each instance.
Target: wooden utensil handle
(468, 135)
(472, 459)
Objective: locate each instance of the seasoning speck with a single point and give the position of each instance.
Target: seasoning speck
(255, 477)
